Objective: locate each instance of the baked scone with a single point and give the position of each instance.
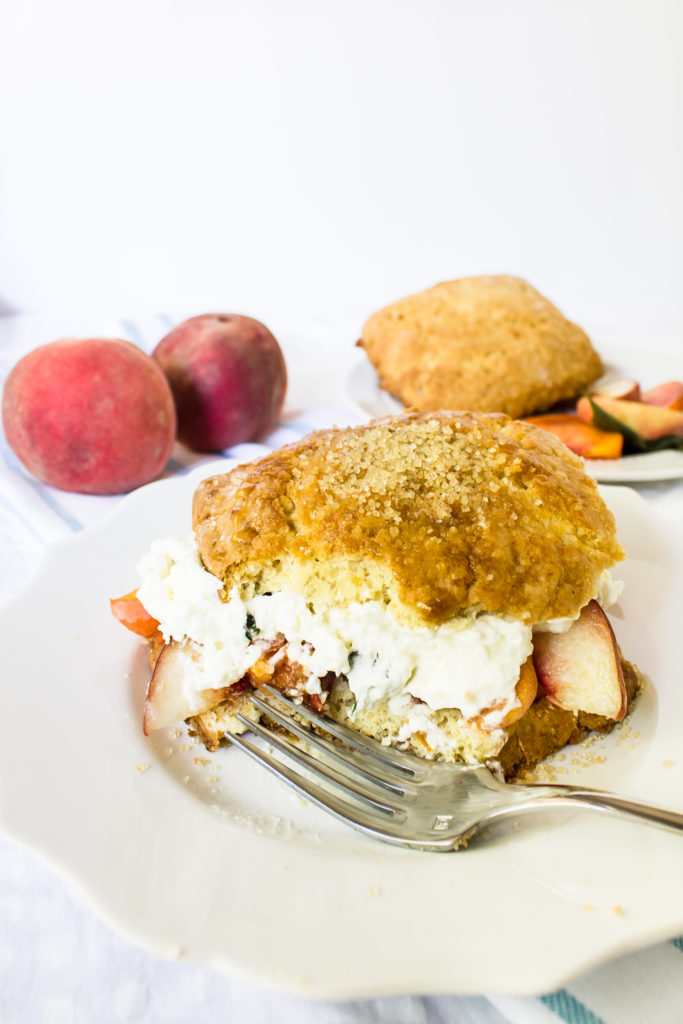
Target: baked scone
(423, 578)
(488, 344)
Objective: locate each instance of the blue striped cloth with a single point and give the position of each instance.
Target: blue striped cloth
(640, 988)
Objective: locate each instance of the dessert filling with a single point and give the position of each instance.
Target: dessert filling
(471, 663)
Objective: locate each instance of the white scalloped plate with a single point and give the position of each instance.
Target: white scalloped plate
(206, 856)
(364, 391)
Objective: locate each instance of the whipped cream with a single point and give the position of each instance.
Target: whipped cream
(470, 663)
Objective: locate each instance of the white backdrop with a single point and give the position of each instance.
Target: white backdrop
(331, 156)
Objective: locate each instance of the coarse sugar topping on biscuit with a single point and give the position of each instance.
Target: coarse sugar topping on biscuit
(436, 513)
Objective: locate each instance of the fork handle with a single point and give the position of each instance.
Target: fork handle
(615, 804)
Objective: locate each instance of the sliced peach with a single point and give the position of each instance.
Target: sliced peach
(581, 437)
(133, 615)
(647, 421)
(668, 395)
(580, 670)
(525, 691)
(166, 702)
(627, 390)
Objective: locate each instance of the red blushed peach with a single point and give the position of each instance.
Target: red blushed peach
(228, 378)
(94, 415)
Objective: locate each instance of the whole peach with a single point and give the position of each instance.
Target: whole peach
(94, 415)
(228, 378)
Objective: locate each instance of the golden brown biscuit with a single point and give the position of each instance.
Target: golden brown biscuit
(490, 344)
(434, 513)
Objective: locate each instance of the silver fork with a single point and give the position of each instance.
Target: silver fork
(400, 798)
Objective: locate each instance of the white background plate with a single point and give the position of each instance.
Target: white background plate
(647, 367)
(221, 863)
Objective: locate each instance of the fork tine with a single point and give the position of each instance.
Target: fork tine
(308, 762)
(405, 764)
(354, 816)
(349, 758)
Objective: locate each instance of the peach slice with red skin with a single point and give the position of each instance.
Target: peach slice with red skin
(668, 395)
(166, 703)
(581, 437)
(580, 669)
(627, 390)
(648, 421)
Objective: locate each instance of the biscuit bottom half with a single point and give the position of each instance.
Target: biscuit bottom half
(544, 729)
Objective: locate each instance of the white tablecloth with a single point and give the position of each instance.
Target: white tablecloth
(59, 963)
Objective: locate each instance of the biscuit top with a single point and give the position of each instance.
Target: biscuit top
(492, 344)
(435, 513)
